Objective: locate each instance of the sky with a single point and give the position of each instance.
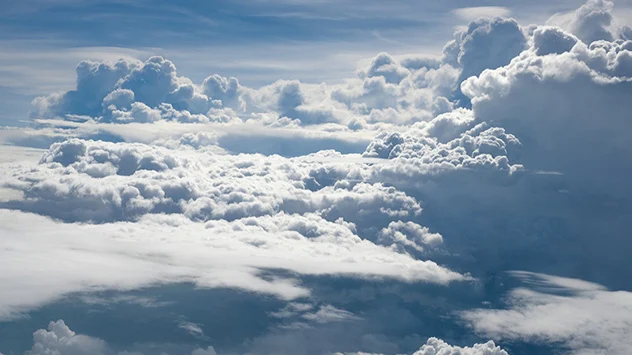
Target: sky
(315, 177)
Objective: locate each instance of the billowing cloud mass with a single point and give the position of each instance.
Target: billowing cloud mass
(436, 346)
(592, 20)
(509, 152)
(59, 339)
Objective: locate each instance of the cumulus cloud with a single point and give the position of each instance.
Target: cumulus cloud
(485, 44)
(436, 346)
(133, 91)
(58, 339)
(552, 40)
(94, 82)
(572, 89)
(409, 234)
(590, 22)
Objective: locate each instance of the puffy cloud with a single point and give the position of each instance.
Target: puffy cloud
(131, 91)
(227, 90)
(436, 346)
(288, 99)
(417, 153)
(485, 44)
(550, 40)
(573, 90)
(94, 82)
(584, 316)
(592, 20)
(60, 340)
(151, 82)
(385, 66)
(409, 234)
(101, 182)
(399, 92)
(248, 200)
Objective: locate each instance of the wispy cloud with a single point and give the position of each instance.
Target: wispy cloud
(473, 13)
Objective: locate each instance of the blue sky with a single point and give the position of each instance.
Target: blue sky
(315, 177)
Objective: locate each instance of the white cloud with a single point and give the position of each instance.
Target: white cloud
(58, 339)
(436, 346)
(572, 89)
(164, 249)
(584, 316)
(192, 328)
(476, 12)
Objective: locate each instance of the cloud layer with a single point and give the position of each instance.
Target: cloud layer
(508, 152)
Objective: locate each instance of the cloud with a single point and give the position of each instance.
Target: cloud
(509, 152)
(385, 66)
(60, 340)
(584, 316)
(207, 351)
(192, 328)
(485, 44)
(409, 234)
(590, 22)
(94, 82)
(476, 12)
(134, 91)
(572, 88)
(436, 346)
(552, 40)
(127, 256)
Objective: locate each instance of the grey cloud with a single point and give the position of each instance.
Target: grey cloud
(552, 40)
(94, 82)
(130, 91)
(592, 20)
(485, 44)
(385, 66)
(572, 90)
